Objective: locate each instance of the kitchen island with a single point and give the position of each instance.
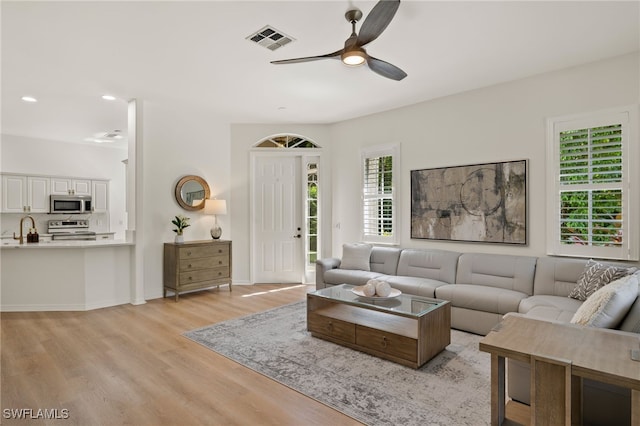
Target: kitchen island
(65, 275)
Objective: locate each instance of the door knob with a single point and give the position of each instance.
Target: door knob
(297, 236)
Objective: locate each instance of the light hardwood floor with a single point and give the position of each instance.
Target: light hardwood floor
(130, 365)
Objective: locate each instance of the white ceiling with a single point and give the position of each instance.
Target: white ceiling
(195, 55)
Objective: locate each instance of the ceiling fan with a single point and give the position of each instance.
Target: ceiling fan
(353, 53)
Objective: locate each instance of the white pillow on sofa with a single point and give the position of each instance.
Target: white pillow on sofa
(631, 322)
(608, 306)
(356, 256)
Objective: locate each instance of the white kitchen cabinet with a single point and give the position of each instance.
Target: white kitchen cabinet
(100, 196)
(38, 191)
(64, 186)
(25, 194)
(30, 194)
(14, 194)
(105, 236)
(60, 186)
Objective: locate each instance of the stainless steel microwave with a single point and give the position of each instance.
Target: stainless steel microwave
(70, 204)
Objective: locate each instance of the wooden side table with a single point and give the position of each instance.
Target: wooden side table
(196, 265)
(561, 355)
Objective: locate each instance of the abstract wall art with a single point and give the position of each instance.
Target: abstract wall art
(476, 203)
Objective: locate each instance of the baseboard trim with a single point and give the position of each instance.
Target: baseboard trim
(41, 308)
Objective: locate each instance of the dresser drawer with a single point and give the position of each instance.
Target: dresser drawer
(331, 327)
(205, 251)
(204, 275)
(203, 263)
(389, 343)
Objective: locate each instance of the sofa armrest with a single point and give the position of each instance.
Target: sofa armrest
(322, 266)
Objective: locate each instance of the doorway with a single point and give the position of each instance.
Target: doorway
(285, 214)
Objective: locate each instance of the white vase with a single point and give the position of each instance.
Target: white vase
(179, 239)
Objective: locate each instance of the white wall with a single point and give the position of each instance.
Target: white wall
(23, 155)
(243, 137)
(178, 142)
(502, 122)
(497, 123)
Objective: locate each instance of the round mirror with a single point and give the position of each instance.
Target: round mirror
(191, 191)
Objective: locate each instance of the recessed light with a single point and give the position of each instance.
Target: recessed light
(29, 99)
(108, 97)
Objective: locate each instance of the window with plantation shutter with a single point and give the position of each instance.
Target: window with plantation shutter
(592, 189)
(379, 169)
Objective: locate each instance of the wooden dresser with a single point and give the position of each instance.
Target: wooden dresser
(196, 265)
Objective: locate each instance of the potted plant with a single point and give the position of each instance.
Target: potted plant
(180, 222)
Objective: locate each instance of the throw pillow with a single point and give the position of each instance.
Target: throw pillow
(595, 276)
(608, 306)
(356, 256)
(631, 321)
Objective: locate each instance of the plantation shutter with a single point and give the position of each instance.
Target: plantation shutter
(591, 195)
(379, 196)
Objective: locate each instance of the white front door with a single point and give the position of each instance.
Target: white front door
(277, 229)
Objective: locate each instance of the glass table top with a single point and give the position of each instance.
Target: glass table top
(406, 304)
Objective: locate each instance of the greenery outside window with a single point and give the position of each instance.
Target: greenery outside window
(379, 194)
(312, 215)
(592, 190)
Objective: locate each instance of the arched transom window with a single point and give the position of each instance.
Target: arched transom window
(286, 141)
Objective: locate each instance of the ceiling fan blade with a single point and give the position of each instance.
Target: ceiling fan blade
(335, 54)
(377, 20)
(385, 69)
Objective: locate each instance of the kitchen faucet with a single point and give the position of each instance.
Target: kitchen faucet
(33, 225)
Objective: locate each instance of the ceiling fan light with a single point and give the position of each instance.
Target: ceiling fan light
(353, 58)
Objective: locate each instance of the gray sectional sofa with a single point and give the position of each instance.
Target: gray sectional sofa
(482, 288)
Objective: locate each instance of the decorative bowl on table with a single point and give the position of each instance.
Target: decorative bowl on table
(359, 291)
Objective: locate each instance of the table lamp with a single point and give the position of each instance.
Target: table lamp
(215, 207)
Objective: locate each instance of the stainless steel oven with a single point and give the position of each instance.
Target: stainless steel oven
(73, 229)
(70, 204)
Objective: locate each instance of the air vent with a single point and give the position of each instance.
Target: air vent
(113, 135)
(270, 38)
(106, 137)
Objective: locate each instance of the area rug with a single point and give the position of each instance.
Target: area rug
(451, 389)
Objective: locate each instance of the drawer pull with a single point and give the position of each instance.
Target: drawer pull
(190, 278)
(384, 341)
(189, 266)
(330, 326)
(188, 253)
(219, 262)
(219, 273)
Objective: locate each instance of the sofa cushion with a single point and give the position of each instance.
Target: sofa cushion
(435, 264)
(481, 298)
(414, 285)
(497, 270)
(385, 260)
(551, 313)
(561, 304)
(595, 276)
(557, 276)
(356, 256)
(349, 276)
(608, 306)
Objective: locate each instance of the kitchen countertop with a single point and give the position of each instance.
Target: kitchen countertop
(68, 244)
(10, 236)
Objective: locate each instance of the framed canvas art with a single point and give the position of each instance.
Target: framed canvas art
(477, 203)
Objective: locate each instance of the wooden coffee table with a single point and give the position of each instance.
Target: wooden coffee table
(409, 330)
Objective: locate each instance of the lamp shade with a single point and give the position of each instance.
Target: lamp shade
(215, 207)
